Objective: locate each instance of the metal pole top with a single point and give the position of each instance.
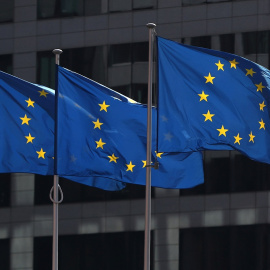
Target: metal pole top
(151, 25)
(57, 51)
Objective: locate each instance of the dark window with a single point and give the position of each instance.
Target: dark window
(249, 175)
(120, 54)
(5, 254)
(126, 5)
(128, 53)
(256, 45)
(235, 173)
(107, 251)
(130, 59)
(137, 92)
(6, 10)
(5, 189)
(89, 62)
(6, 63)
(202, 41)
(198, 2)
(68, 8)
(235, 247)
(46, 69)
(256, 42)
(75, 192)
(227, 43)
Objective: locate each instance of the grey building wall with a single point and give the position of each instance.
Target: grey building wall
(26, 35)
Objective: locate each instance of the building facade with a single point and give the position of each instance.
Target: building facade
(221, 224)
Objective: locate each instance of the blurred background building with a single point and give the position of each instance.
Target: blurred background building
(221, 224)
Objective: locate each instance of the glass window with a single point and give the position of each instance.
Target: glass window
(256, 42)
(6, 63)
(71, 7)
(120, 5)
(120, 54)
(6, 10)
(140, 52)
(5, 189)
(234, 247)
(5, 254)
(227, 43)
(75, 192)
(90, 62)
(249, 175)
(231, 173)
(139, 93)
(202, 41)
(94, 7)
(64, 8)
(46, 69)
(46, 8)
(125, 5)
(197, 2)
(130, 59)
(142, 4)
(192, 2)
(104, 251)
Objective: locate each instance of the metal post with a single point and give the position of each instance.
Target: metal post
(55, 199)
(147, 230)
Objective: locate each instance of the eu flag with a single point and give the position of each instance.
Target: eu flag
(212, 100)
(102, 133)
(27, 131)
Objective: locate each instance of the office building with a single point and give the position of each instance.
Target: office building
(222, 224)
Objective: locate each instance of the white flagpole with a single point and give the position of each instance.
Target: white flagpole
(147, 230)
(56, 188)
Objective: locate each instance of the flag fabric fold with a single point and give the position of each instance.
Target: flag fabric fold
(212, 100)
(27, 131)
(102, 133)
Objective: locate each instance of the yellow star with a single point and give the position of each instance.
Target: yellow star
(203, 96)
(25, 120)
(41, 153)
(113, 158)
(260, 87)
(97, 124)
(262, 124)
(144, 163)
(158, 154)
(29, 138)
(219, 65)
(222, 131)
(251, 137)
(43, 93)
(250, 72)
(262, 105)
(30, 103)
(208, 116)
(130, 166)
(237, 139)
(233, 63)
(103, 106)
(209, 78)
(100, 143)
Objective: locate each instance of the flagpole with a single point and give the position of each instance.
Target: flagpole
(147, 230)
(56, 188)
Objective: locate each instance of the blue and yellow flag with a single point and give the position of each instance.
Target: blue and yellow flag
(103, 134)
(212, 100)
(27, 131)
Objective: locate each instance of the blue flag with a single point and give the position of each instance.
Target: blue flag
(212, 100)
(27, 131)
(103, 134)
